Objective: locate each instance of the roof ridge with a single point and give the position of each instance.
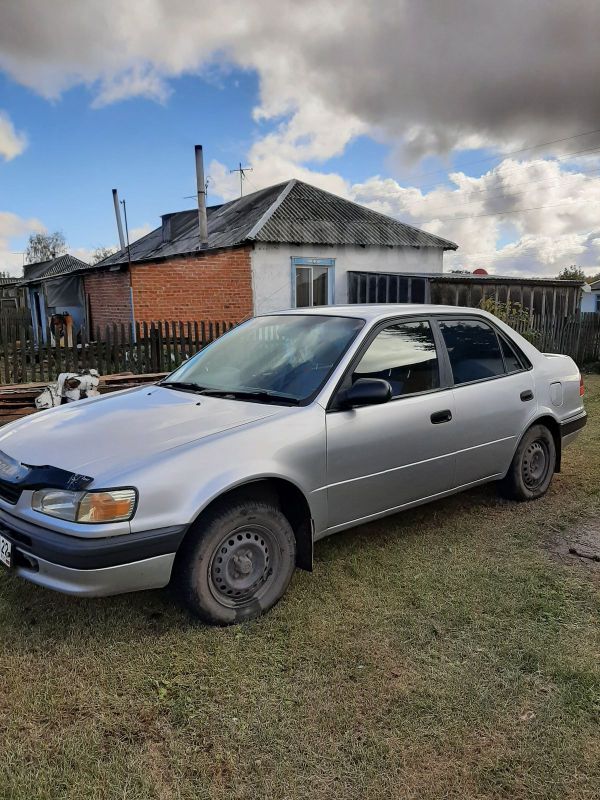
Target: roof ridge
(253, 232)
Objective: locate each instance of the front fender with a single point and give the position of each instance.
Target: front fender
(178, 485)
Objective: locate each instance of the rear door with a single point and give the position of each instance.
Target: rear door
(382, 457)
(493, 395)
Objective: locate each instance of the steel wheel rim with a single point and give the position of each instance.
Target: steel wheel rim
(242, 567)
(536, 462)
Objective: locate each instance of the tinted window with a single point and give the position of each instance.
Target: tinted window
(511, 359)
(473, 349)
(405, 356)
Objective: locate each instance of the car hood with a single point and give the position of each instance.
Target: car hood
(121, 429)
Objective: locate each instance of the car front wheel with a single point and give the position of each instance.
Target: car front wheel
(532, 467)
(236, 562)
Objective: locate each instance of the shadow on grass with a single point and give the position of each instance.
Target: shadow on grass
(405, 524)
(33, 616)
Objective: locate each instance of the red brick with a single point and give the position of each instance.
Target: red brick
(214, 286)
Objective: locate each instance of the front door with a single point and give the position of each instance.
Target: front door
(380, 458)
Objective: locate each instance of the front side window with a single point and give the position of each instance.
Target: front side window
(473, 349)
(287, 357)
(405, 356)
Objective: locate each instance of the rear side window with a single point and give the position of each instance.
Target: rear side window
(511, 358)
(405, 356)
(473, 349)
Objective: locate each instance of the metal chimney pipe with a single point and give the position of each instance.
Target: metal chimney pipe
(118, 216)
(201, 189)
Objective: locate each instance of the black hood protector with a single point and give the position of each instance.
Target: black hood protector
(29, 476)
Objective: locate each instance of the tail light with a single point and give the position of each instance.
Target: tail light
(581, 386)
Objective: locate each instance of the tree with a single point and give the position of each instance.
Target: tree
(593, 278)
(571, 273)
(100, 253)
(44, 246)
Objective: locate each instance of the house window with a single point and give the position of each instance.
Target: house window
(313, 281)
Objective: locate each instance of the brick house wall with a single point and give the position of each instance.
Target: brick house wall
(215, 286)
(107, 295)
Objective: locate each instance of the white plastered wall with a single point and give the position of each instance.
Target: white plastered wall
(272, 268)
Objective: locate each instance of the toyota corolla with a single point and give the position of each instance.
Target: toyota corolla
(292, 426)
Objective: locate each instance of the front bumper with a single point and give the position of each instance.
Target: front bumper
(91, 567)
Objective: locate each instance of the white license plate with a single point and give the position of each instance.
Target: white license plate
(5, 552)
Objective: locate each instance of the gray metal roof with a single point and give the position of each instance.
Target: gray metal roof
(292, 213)
(308, 215)
(53, 268)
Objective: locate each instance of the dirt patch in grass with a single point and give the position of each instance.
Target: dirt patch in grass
(578, 545)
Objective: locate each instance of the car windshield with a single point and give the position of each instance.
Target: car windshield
(279, 358)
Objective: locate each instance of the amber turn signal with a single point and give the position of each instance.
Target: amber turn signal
(111, 506)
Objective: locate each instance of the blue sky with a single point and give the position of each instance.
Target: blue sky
(354, 97)
(77, 153)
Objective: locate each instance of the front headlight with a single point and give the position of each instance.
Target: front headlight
(114, 505)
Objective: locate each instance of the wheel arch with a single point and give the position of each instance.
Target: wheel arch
(553, 426)
(290, 499)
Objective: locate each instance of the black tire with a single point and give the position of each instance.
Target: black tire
(236, 562)
(532, 467)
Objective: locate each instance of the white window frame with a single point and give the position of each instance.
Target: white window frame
(299, 262)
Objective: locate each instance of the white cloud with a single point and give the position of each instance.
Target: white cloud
(137, 82)
(12, 229)
(12, 142)
(435, 76)
(553, 215)
(139, 231)
(422, 77)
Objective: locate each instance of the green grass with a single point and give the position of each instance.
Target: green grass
(442, 653)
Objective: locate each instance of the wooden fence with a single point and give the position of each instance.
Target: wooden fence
(577, 336)
(162, 346)
(158, 347)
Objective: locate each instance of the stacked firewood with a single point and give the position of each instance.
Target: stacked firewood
(18, 400)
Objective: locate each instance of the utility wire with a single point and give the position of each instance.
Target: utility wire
(503, 194)
(432, 186)
(484, 189)
(512, 152)
(501, 213)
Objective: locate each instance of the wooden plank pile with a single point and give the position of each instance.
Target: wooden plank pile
(18, 399)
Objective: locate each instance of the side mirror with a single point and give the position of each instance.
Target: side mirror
(365, 392)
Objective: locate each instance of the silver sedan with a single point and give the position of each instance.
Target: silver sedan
(291, 427)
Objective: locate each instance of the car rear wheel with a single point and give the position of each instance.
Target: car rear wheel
(236, 562)
(532, 467)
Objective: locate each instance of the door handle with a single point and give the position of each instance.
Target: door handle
(441, 416)
(526, 395)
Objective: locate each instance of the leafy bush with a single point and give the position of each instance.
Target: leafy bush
(513, 314)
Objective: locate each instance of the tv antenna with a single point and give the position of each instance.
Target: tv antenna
(242, 171)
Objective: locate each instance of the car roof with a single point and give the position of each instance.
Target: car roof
(375, 311)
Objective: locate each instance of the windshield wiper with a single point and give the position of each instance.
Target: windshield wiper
(183, 386)
(253, 394)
